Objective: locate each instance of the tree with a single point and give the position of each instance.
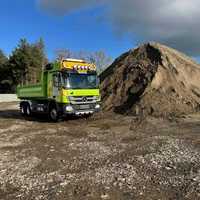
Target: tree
(63, 54)
(3, 58)
(5, 74)
(99, 58)
(27, 61)
(38, 59)
(20, 62)
(3, 65)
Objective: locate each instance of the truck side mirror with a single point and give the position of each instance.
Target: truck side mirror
(49, 66)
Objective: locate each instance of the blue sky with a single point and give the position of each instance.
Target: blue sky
(80, 30)
(113, 26)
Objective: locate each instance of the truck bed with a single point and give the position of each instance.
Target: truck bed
(31, 91)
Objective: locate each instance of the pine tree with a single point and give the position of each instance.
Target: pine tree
(3, 58)
(27, 61)
(5, 74)
(38, 59)
(20, 61)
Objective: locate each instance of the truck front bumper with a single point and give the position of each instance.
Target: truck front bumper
(79, 110)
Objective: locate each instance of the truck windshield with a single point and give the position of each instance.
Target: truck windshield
(80, 81)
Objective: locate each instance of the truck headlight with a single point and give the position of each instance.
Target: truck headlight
(97, 106)
(98, 98)
(69, 108)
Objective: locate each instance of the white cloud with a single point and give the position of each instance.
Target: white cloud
(173, 22)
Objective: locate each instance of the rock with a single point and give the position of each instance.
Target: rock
(104, 196)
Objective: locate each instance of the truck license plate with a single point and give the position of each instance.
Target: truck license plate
(84, 106)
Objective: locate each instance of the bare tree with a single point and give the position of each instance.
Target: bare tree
(99, 58)
(63, 53)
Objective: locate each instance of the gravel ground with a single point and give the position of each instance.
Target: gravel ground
(109, 157)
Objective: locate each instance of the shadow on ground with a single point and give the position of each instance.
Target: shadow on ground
(14, 114)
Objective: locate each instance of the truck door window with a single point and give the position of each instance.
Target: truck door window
(55, 80)
(65, 81)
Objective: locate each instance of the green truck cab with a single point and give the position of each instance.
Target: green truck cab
(67, 87)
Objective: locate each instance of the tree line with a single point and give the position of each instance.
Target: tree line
(22, 66)
(26, 61)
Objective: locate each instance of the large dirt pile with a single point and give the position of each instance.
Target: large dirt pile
(152, 79)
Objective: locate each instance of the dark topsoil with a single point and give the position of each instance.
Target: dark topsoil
(152, 79)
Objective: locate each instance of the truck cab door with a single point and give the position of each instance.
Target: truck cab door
(56, 85)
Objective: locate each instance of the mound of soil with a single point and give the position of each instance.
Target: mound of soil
(152, 79)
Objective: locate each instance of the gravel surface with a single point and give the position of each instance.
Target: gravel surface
(109, 157)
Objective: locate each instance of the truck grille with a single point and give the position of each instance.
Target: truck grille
(83, 99)
(84, 106)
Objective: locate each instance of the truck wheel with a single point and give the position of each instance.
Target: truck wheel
(28, 110)
(25, 110)
(53, 114)
(22, 109)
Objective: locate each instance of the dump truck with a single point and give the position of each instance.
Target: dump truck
(67, 87)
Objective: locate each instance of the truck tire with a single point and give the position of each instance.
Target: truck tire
(25, 110)
(53, 114)
(22, 109)
(28, 110)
